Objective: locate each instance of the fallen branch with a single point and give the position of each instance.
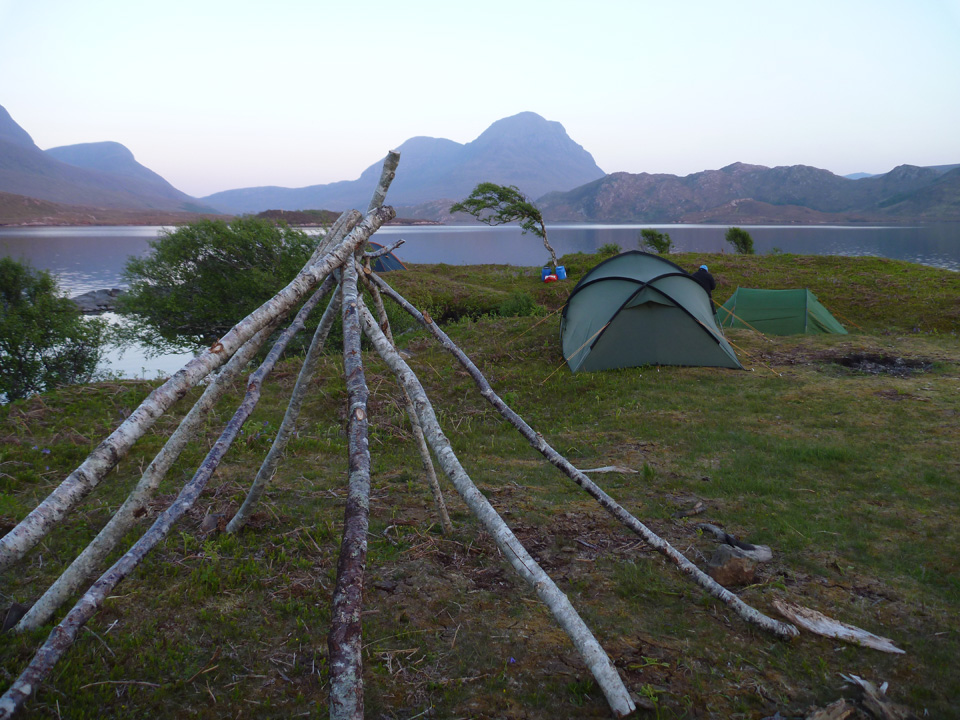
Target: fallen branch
(820, 624)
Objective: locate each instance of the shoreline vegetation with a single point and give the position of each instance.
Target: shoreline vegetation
(840, 453)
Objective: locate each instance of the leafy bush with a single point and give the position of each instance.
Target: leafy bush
(608, 249)
(202, 278)
(654, 241)
(44, 340)
(741, 240)
(517, 304)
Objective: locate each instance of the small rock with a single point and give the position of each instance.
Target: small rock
(385, 585)
(211, 522)
(729, 566)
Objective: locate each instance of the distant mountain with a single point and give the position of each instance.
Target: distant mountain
(936, 201)
(794, 193)
(102, 175)
(524, 150)
(858, 176)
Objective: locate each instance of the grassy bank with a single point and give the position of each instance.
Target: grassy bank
(850, 477)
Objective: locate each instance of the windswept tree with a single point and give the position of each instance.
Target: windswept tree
(44, 340)
(501, 204)
(655, 241)
(741, 240)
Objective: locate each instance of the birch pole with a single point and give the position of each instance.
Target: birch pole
(563, 611)
(83, 567)
(42, 519)
(538, 442)
(64, 634)
(425, 460)
(267, 469)
(344, 640)
(288, 425)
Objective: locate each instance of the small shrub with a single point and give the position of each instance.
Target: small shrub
(517, 304)
(741, 240)
(44, 340)
(609, 249)
(654, 241)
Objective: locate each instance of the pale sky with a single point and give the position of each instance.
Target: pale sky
(218, 94)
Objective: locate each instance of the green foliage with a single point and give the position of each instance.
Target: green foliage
(654, 241)
(500, 204)
(517, 304)
(202, 278)
(44, 340)
(608, 249)
(740, 239)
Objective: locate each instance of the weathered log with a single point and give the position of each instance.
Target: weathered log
(820, 624)
(386, 250)
(63, 636)
(344, 640)
(87, 563)
(563, 611)
(537, 441)
(40, 521)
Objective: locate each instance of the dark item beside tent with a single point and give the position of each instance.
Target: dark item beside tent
(640, 309)
(777, 312)
(384, 263)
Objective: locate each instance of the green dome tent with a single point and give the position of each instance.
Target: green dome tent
(640, 309)
(777, 312)
(384, 263)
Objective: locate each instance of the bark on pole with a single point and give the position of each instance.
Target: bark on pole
(33, 528)
(535, 439)
(341, 227)
(344, 640)
(425, 460)
(88, 562)
(287, 426)
(63, 636)
(586, 644)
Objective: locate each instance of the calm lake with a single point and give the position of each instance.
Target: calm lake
(91, 258)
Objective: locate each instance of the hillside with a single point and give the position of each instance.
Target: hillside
(795, 193)
(23, 210)
(103, 175)
(524, 150)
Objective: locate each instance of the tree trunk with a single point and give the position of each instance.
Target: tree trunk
(608, 503)
(586, 644)
(344, 640)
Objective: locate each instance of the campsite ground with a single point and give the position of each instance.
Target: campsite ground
(849, 475)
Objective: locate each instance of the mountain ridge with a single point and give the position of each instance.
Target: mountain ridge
(524, 149)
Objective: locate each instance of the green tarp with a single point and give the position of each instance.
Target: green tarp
(641, 309)
(777, 312)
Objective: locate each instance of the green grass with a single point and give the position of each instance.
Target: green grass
(850, 478)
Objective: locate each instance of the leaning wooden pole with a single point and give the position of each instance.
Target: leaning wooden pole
(344, 640)
(425, 460)
(63, 636)
(89, 561)
(290, 417)
(341, 227)
(604, 672)
(40, 521)
(536, 440)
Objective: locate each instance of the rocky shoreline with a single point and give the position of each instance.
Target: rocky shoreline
(96, 302)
